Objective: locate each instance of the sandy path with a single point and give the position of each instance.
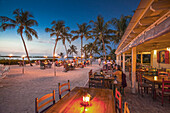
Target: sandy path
(19, 91)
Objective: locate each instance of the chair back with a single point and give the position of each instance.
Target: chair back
(90, 73)
(161, 74)
(118, 103)
(40, 103)
(126, 109)
(97, 81)
(63, 90)
(165, 85)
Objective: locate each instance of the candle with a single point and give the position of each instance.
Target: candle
(155, 78)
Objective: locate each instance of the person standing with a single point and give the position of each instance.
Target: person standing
(99, 61)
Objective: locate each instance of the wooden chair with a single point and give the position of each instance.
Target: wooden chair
(162, 74)
(165, 90)
(62, 91)
(152, 72)
(90, 73)
(118, 101)
(39, 106)
(142, 85)
(97, 81)
(126, 109)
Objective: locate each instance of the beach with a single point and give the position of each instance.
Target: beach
(20, 90)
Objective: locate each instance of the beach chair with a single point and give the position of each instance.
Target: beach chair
(63, 90)
(44, 101)
(4, 72)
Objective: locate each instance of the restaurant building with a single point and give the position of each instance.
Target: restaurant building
(147, 33)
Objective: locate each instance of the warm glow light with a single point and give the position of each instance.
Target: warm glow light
(59, 57)
(65, 56)
(155, 78)
(10, 55)
(101, 73)
(154, 52)
(82, 56)
(45, 57)
(86, 99)
(23, 56)
(90, 56)
(55, 55)
(168, 49)
(74, 56)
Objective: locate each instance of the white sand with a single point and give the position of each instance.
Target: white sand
(20, 90)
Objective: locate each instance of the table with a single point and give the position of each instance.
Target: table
(153, 82)
(102, 101)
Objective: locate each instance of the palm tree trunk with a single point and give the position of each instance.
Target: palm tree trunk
(66, 49)
(54, 49)
(81, 46)
(104, 48)
(25, 48)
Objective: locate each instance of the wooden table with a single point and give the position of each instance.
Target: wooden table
(102, 102)
(153, 82)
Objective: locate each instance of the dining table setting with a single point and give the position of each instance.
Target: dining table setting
(89, 100)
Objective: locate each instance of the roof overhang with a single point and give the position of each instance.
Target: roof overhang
(151, 19)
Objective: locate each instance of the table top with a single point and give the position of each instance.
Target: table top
(159, 79)
(102, 101)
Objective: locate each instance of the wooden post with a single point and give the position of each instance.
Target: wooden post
(133, 70)
(117, 59)
(141, 58)
(120, 59)
(124, 62)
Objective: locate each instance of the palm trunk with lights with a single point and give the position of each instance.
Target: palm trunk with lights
(104, 47)
(81, 46)
(21, 28)
(54, 49)
(66, 49)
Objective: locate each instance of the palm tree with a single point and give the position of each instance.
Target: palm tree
(24, 21)
(56, 30)
(83, 31)
(120, 26)
(73, 49)
(101, 30)
(66, 36)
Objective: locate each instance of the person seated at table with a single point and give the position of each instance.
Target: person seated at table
(49, 64)
(56, 63)
(84, 63)
(105, 64)
(72, 64)
(118, 74)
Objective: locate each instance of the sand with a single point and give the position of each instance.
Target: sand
(20, 90)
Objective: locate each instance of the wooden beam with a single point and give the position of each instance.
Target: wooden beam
(161, 5)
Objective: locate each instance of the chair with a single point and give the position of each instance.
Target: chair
(105, 67)
(152, 72)
(126, 109)
(97, 81)
(162, 74)
(90, 73)
(165, 90)
(118, 101)
(62, 91)
(44, 103)
(142, 85)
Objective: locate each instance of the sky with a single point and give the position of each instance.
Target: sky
(45, 11)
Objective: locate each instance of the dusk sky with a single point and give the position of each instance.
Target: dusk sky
(45, 11)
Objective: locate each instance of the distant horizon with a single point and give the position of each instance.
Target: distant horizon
(72, 12)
